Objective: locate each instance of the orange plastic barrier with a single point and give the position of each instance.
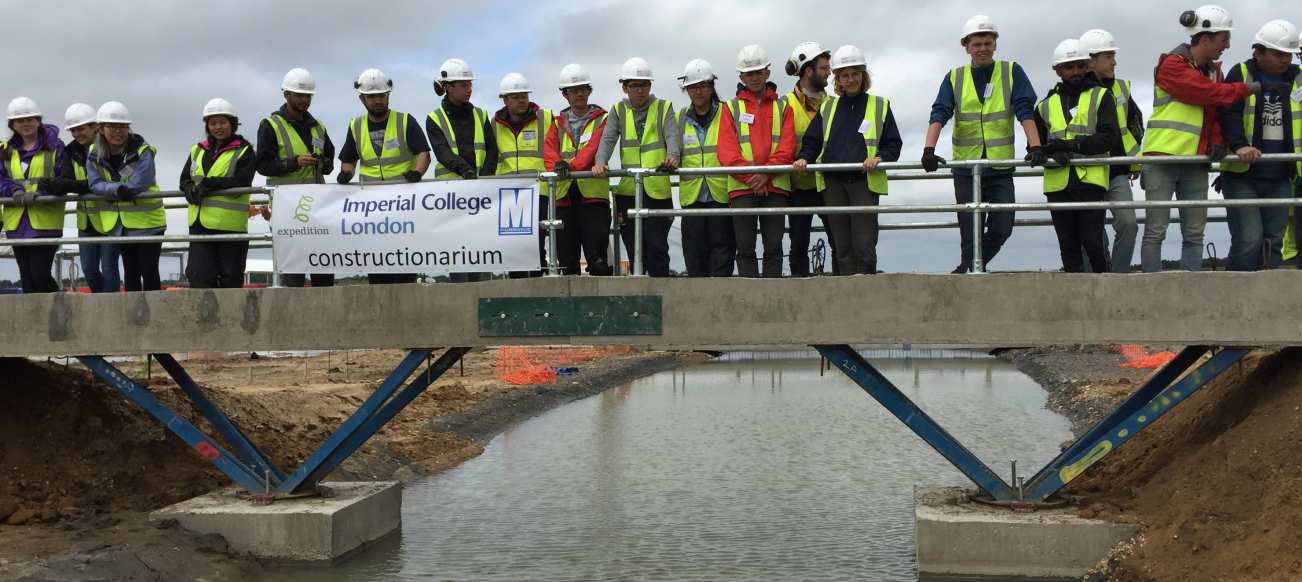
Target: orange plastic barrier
(524, 365)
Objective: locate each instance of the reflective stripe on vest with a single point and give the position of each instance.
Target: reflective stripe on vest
(983, 127)
(738, 108)
(225, 213)
(597, 188)
(522, 153)
(701, 155)
(647, 150)
(802, 118)
(395, 155)
(88, 212)
(290, 146)
(1295, 111)
(135, 214)
(1121, 92)
(1176, 128)
(1083, 123)
(440, 118)
(874, 115)
(44, 215)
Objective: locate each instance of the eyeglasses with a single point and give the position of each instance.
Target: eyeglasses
(115, 127)
(636, 86)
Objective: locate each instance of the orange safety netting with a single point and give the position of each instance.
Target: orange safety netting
(541, 365)
(1137, 358)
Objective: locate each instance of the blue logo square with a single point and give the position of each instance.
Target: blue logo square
(515, 211)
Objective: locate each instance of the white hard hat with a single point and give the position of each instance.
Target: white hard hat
(574, 75)
(113, 112)
(848, 56)
(373, 82)
(77, 115)
(513, 83)
(1070, 51)
(1098, 41)
(636, 69)
(979, 24)
(219, 106)
(753, 57)
(1207, 18)
(299, 80)
(803, 54)
(455, 70)
(1279, 35)
(697, 71)
(23, 107)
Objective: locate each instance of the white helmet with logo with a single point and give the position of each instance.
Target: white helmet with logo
(455, 70)
(219, 106)
(1278, 35)
(1098, 41)
(848, 56)
(803, 54)
(23, 107)
(636, 69)
(77, 115)
(373, 82)
(753, 57)
(697, 71)
(979, 24)
(1070, 51)
(1207, 18)
(299, 80)
(513, 83)
(113, 112)
(573, 75)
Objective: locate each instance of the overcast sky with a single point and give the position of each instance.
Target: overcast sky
(165, 59)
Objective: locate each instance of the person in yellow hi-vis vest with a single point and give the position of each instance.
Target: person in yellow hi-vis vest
(647, 132)
(709, 245)
(34, 154)
(95, 218)
(853, 127)
(120, 165)
(1077, 119)
(583, 204)
(520, 127)
(1130, 121)
(809, 63)
(223, 161)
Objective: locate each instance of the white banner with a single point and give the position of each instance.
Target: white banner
(448, 226)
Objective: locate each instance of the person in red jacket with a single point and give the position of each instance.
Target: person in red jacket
(582, 205)
(769, 130)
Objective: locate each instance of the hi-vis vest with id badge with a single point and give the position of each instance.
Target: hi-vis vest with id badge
(522, 153)
(136, 214)
(742, 120)
(45, 215)
(983, 124)
(395, 155)
(874, 122)
(291, 146)
(701, 155)
(595, 188)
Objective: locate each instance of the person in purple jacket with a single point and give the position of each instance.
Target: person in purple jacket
(34, 153)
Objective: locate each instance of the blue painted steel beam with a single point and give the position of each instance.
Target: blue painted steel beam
(208, 449)
(1053, 480)
(382, 417)
(239, 443)
(895, 401)
(396, 378)
(1160, 381)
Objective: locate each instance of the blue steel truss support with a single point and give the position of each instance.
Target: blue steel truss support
(234, 437)
(899, 404)
(1147, 405)
(208, 449)
(375, 421)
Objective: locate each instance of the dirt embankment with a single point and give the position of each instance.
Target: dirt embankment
(1216, 484)
(80, 466)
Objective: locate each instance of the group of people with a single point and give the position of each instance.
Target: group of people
(1256, 109)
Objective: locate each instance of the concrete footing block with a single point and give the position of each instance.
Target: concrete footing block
(955, 536)
(308, 529)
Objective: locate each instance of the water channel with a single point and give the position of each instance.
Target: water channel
(754, 468)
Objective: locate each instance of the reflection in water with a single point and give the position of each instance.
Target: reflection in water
(751, 470)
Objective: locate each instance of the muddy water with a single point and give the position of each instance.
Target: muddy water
(728, 470)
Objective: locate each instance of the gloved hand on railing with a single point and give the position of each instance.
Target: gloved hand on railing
(344, 177)
(192, 194)
(469, 174)
(930, 161)
(24, 198)
(1036, 156)
(562, 169)
(55, 186)
(1060, 150)
(125, 192)
(208, 186)
(411, 176)
(1218, 152)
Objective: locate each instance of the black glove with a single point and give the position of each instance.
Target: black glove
(24, 198)
(1062, 157)
(209, 185)
(930, 161)
(1035, 156)
(191, 192)
(55, 186)
(469, 174)
(1057, 145)
(125, 192)
(1218, 152)
(562, 169)
(1216, 184)
(344, 177)
(411, 176)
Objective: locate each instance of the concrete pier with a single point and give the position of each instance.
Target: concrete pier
(308, 529)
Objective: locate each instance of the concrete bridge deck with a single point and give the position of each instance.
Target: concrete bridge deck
(1013, 309)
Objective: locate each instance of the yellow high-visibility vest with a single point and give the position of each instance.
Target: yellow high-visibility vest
(1083, 123)
(874, 116)
(225, 213)
(738, 108)
(701, 155)
(983, 126)
(43, 215)
(647, 150)
(394, 157)
(440, 118)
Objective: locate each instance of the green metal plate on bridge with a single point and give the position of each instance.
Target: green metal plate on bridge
(570, 316)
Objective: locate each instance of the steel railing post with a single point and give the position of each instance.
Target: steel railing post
(978, 224)
(553, 262)
(637, 224)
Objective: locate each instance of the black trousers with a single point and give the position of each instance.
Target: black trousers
(709, 243)
(217, 265)
(768, 227)
(996, 227)
(299, 279)
(542, 244)
(1081, 229)
(855, 234)
(140, 266)
(655, 234)
(586, 233)
(34, 267)
(801, 227)
(390, 278)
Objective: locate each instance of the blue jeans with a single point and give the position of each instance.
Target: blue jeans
(1256, 234)
(1123, 224)
(1184, 182)
(998, 225)
(99, 264)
